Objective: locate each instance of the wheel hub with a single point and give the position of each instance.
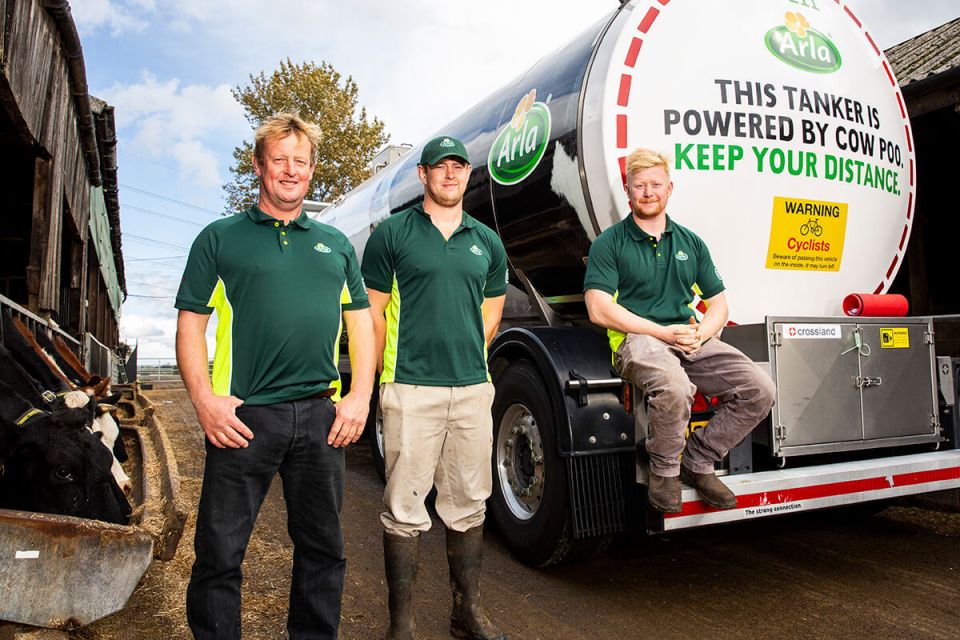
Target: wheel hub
(519, 452)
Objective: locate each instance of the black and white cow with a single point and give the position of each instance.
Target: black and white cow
(53, 462)
(30, 369)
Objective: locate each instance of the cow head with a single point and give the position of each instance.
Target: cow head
(52, 465)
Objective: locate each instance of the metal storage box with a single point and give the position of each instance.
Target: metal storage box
(843, 383)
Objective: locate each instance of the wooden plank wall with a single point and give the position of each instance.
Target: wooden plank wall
(37, 80)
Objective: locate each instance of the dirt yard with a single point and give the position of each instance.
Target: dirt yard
(895, 575)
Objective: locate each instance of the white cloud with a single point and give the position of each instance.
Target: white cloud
(183, 123)
(152, 325)
(154, 331)
(92, 15)
(198, 162)
(394, 50)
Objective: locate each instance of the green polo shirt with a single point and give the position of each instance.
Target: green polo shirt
(654, 280)
(436, 286)
(278, 291)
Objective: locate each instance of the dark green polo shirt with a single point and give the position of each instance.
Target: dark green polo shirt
(278, 292)
(436, 286)
(654, 280)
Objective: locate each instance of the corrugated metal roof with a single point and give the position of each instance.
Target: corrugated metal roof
(927, 54)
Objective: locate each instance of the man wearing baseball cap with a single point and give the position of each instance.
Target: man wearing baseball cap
(436, 280)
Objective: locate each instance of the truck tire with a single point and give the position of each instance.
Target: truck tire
(529, 503)
(374, 431)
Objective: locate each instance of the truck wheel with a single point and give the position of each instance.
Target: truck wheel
(374, 430)
(529, 502)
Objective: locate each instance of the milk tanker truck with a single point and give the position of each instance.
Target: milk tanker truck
(792, 157)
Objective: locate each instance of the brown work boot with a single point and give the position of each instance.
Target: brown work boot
(711, 489)
(464, 553)
(400, 557)
(663, 493)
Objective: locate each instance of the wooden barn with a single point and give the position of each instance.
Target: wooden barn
(60, 251)
(928, 70)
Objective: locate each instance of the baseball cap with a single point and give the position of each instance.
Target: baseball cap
(443, 147)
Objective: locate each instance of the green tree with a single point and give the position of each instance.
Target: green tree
(317, 93)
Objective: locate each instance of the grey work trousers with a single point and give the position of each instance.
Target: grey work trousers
(669, 378)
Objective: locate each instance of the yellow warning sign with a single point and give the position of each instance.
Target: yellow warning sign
(895, 338)
(806, 235)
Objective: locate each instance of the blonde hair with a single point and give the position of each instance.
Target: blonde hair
(640, 159)
(280, 126)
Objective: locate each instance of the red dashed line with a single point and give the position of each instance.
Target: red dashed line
(903, 236)
(850, 13)
(878, 289)
(906, 132)
(648, 19)
(889, 74)
(664, 2)
(623, 169)
(633, 52)
(624, 97)
(892, 265)
(621, 131)
(872, 43)
(910, 206)
(911, 172)
(903, 111)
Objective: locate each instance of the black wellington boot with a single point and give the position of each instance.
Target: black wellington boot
(464, 553)
(400, 557)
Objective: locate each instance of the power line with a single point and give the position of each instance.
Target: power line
(156, 269)
(145, 259)
(152, 286)
(163, 215)
(134, 295)
(151, 241)
(168, 199)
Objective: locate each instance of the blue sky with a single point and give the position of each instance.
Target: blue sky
(168, 67)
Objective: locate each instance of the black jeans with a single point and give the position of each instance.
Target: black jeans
(289, 437)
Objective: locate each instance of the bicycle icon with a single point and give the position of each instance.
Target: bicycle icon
(813, 227)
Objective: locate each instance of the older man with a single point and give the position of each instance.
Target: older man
(280, 283)
(436, 278)
(639, 285)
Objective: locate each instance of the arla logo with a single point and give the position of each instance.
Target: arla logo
(447, 142)
(800, 46)
(519, 148)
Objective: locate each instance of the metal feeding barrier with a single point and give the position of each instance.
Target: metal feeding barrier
(161, 370)
(68, 571)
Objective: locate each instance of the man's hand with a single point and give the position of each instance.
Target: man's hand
(351, 418)
(217, 414)
(685, 337)
(218, 417)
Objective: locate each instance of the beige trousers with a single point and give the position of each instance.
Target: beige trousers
(436, 436)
